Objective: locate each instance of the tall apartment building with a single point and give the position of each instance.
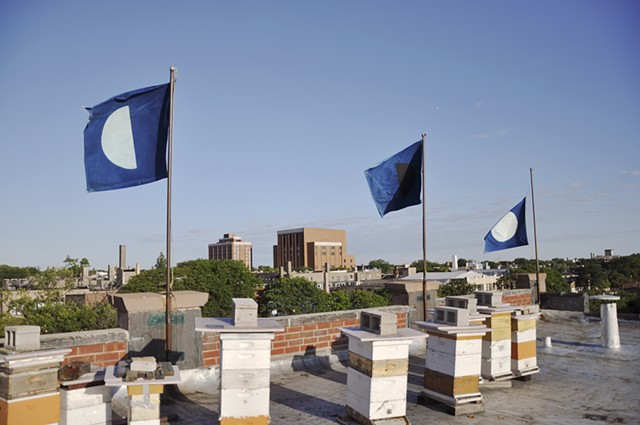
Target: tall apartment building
(231, 247)
(312, 248)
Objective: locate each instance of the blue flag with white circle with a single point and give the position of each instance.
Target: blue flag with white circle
(510, 231)
(396, 182)
(125, 140)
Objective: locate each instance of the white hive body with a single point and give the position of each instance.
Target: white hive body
(245, 362)
(454, 353)
(378, 368)
(523, 335)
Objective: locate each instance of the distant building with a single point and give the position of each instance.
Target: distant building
(232, 247)
(483, 282)
(313, 249)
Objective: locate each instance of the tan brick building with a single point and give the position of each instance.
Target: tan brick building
(231, 247)
(312, 248)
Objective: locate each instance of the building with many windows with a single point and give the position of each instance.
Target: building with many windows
(231, 247)
(312, 249)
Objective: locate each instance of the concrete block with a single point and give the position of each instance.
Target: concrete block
(143, 364)
(245, 312)
(379, 322)
(468, 303)
(144, 407)
(488, 298)
(452, 316)
(22, 338)
(83, 397)
(244, 402)
(88, 415)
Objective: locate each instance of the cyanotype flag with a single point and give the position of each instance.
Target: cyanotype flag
(510, 231)
(396, 182)
(125, 140)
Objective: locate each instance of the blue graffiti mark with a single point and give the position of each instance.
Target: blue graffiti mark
(157, 320)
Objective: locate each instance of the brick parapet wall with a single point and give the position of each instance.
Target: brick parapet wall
(520, 297)
(305, 334)
(101, 347)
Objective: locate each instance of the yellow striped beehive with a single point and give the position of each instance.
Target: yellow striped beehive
(523, 343)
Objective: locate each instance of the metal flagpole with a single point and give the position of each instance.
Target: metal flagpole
(172, 72)
(535, 237)
(424, 229)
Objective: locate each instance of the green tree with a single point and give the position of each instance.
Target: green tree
(431, 266)
(295, 295)
(384, 266)
(456, 287)
(367, 299)
(152, 280)
(161, 262)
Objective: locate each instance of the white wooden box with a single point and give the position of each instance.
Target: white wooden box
(377, 389)
(452, 365)
(237, 403)
(380, 350)
(245, 378)
(240, 359)
(455, 347)
(376, 410)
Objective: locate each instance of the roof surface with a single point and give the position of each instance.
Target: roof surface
(579, 382)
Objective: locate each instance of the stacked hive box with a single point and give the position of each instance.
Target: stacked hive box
(85, 400)
(523, 343)
(28, 379)
(496, 345)
(378, 367)
(245, 360)
(452, 366)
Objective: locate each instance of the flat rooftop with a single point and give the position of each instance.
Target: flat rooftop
(579, 383)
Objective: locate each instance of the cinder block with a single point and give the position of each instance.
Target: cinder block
(488, 298)
(83, 397)
(22, 338)
(452, 316)
(245, 312)
(87, 415)
(468, 303)
(379, 322)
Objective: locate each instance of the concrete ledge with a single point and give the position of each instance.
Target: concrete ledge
(334, 316)
(73, 339)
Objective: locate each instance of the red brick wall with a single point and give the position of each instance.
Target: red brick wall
(517, 297)
(101, 355)
(298, 339)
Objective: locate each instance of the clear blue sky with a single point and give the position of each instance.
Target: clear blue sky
(280, 106)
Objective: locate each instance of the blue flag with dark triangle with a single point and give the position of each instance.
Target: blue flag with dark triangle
(510, 231)
(396, 182)
(125, 140)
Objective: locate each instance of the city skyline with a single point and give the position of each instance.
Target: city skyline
(280, 108)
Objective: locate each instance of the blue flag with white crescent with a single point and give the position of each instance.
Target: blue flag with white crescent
(125, 140)
(396, 182)
(510, 231)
